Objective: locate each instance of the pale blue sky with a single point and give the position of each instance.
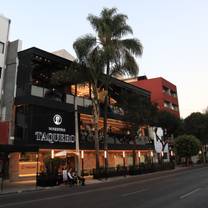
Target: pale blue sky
(174, 34)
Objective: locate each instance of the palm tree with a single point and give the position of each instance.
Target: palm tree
(87, 68)
(107, 52)
(119, 52)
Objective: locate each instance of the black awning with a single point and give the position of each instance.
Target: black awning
(8, 148)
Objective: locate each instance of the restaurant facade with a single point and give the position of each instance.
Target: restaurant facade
(56, 122)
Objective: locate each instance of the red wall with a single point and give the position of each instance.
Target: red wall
(155, 86)
(4, 132)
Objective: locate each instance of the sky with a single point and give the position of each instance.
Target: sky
(174, 34)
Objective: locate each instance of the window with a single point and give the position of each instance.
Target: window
(166, 104)
(1, 47)
(0, 72)
(166, 90)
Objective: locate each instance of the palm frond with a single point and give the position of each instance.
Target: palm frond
(130, 66)
(119, 26)
(94, 21)
(84, 45)
(133, 45)
(108, 13)
(125, 65)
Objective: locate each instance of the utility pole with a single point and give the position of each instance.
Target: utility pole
(77, 134)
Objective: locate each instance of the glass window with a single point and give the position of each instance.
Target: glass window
(1, 47)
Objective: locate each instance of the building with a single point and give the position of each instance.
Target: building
(163, 92)
(42, 119)
(4, 35)
(8, 73)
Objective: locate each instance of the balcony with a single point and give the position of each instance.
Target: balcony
(68, 98)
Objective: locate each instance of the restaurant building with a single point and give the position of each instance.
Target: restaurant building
(44, 125)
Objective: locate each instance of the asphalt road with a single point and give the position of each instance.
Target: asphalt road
(187, 188)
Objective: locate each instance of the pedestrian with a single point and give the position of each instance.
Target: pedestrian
(64, 175)
(70, 177)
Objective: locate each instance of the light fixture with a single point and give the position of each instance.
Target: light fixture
(124, 154)
(151, 154)
(52, 153)
(105, 154)
(82, 154)
(139, 154)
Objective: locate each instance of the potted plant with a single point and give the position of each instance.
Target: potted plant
(50, 176)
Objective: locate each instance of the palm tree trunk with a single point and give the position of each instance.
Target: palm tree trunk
(95, 122)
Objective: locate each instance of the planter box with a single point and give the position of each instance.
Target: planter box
(45, 180)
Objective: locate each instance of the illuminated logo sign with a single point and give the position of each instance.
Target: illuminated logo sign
(57, 119)
(55, 127)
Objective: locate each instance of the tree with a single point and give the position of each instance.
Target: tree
(138, 110)
(110, 28)
(187, 146)
(196, 124)
(88, 68)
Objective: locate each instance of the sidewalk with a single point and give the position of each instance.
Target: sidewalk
(30, 185)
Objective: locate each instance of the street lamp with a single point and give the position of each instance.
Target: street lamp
(82, 158)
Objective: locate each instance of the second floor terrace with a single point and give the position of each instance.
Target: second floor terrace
(36, 67)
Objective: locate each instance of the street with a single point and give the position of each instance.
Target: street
(187, 188)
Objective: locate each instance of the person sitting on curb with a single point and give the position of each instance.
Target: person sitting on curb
(71, 179)
(78, 179)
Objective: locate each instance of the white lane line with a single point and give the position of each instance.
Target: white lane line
(189, 193)
(132, 193)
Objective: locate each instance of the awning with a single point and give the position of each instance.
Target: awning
(61, 154)
(64, 153)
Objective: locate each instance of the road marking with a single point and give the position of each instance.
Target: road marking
(135, 192)
(190, 193)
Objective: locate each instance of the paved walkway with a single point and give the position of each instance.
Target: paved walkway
(30, 185)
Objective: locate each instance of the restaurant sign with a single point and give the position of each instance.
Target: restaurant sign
(53, 127)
